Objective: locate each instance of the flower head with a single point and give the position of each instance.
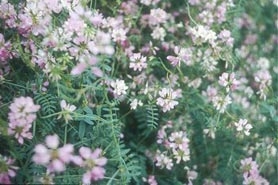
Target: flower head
(221, 103)
(243, 126)
(7, 169)
(162, 160)
(138, 62)
(167, 99)
(52, 157)
(251, 172)
(228, 81)
(119, 87)
(67, 109)
(135, 103)
(93, 162)
(22, 114)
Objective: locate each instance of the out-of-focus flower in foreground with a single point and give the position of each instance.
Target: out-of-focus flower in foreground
(22, 114)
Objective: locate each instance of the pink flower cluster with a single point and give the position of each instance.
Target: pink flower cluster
(7, 169)
(93, 163)
(243, 126)
(183, 55)
(251, 174)
(55, 159)
(5, 54)
(138, 62)
(176, 142)
(151, 180)
(167, 99)
(22, 114)
(52, 157)
(80, 36)
(229, 81)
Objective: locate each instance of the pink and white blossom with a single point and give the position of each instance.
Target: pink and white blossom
(138, 62)
(51, 156)
(229, 81)
(167, 99)
(7, 169)
(93, 163)
(119, 87)
(21, 116)
(243, 126)
(67, 110)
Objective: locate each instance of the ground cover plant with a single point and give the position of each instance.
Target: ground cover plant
(158, 92)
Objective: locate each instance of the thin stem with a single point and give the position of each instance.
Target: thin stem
(16, 85)
(51, 115)
(34, 128)
(66, 134)
(189, 15)
(113, 177)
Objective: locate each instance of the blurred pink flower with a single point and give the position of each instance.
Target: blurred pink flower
(167, 99)
(7, 169)
(67, 110)
(137, 62)
(21, 115)
(229, 81)
(163, 161)
(221, 103)
(119, 87)
(93, 163)
(151, 180)
(243, 126)
(52, 157)
(251, 174)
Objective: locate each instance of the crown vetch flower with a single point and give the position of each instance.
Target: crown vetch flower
(119, 87)
(52, 157)
(251, 173)
(228, 80)
(93, 162)
(167, 99)
(7, 169)
(221, 103)
(67, 109)
(163, 161)
(137, 62)
(22, 114)
(243, 126)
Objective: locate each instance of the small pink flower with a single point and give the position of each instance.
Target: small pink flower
(167, 99)
(67, 110)
(93, 163)
(151, 180)
(225, 36)
(157, 16)
(163, 161)
(52, 157)
(243, 126)
(7, 170)
(221, 103)
(183, 55)
(228, 81)
(251, 172)
(22, 114)
(119, 87)
(138, 62)
(119, 35)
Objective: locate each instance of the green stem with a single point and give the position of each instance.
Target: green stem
(16, 85)
(66, 133)
(51, 115)
(34, 128)
(113, 177)
(189, 15)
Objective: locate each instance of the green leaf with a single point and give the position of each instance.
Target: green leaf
(81, 130)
